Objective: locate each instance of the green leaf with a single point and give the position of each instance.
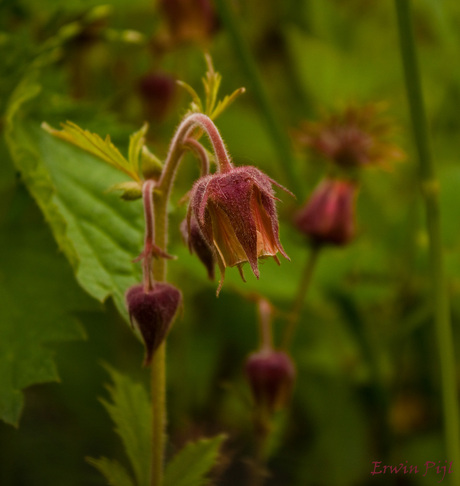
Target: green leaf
(136, 142)
(95, 145)
(98, 233)
(113, 471)
(37, 298)
(130, 412)
(191, 465)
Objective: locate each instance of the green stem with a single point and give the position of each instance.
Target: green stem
(304, 284)
(160, 206)
(430, 190)
(275, 128)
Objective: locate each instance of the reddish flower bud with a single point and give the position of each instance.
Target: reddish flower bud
(236, 214)
(271, 375)
(328, 216)
(157, 90)
(197, 244)
(152, 313)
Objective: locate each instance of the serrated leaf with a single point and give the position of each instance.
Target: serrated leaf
(191, 465)
(226, 102)
(92, 143)
(37, 298)
(196, 101)
(130, 411)
(136, 142)
(113, 471)
(98, 233)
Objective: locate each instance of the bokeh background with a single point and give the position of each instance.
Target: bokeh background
(367, 368)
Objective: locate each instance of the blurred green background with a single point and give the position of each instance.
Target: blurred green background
(368, 381)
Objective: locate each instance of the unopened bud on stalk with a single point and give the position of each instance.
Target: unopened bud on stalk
(328, 217)
(152, 313)
(271, 375)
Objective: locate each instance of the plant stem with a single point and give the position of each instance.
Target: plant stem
(160, 205)
(275, 128)
(301, 293)
(430, 191)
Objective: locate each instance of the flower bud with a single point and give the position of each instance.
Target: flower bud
(328, 216)
(152, 313)
(271, 376)
(197, 244)
(158, 91)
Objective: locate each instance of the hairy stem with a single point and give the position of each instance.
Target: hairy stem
(304, 284)
(430, 190)
(180, 142)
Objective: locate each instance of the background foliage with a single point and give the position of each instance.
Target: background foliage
(364, 350)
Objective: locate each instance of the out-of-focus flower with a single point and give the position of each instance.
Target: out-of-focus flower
(152, 313)
(190, 20)
(197, 244)
(271, 375)
(236, 214)
(328, 216)
(157, 90)
(355, 137)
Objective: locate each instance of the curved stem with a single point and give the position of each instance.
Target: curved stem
(430, 189)
(147, 197)
(176, 148)
(201, 153)
(304, 284)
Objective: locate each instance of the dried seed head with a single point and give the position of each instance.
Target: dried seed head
(271, 375)
(152, 313)
(356, 137)
(328, 216)
(236, 214)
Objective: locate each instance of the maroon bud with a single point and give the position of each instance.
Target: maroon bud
(197, 244)
(152, 313)
(157, 90)
(328, 216)
(271, 376)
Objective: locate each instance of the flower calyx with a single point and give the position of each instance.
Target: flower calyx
(152, 313)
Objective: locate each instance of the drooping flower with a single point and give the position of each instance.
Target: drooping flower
(236, 214)
(152, 313)
(271, 375)
(197, 244)
(358, 136)
(328, 216)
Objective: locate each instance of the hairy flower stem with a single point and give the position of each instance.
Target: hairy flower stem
(147, 197)
(297, 306)
(430, 191)
(161, 193)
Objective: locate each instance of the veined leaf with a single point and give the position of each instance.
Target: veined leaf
(113, 471)
(130, 411)
(191, 465)
(37, 298)
(98, 233)
(95, 145)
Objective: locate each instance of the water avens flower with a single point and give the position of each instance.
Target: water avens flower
(236, 214)
(328, 216)
(152, 313)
